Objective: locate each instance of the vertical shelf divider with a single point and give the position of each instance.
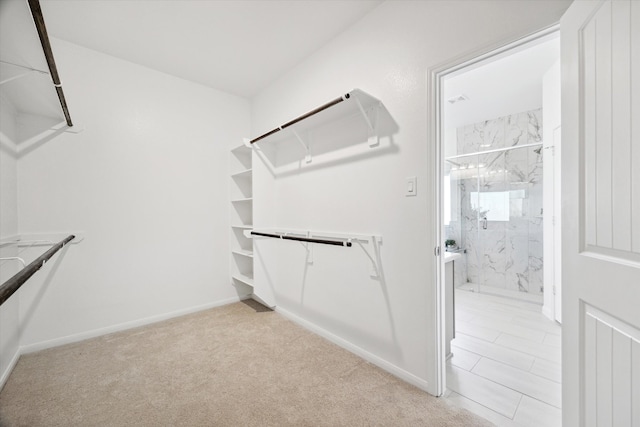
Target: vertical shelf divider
(241, 218)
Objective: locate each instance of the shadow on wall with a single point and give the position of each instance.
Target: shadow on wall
(344, 331)
(39, 133)
(7, 146)
(270, 284)
(363, 261)
(33, 132)
(42, 288)
(340, 141)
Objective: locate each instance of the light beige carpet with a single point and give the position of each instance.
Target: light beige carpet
(237, 365)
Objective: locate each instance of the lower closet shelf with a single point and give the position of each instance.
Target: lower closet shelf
(243, 279)
(246, 253)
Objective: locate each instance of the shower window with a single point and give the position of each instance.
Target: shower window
(494, 204)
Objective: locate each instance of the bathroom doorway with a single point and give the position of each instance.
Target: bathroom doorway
(499, 174)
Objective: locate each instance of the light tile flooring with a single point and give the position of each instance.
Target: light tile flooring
(506, 361)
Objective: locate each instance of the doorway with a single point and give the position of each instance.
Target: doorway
(498, 184)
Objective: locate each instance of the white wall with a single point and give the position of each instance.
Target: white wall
(9, 316)
(147, 184)
(387, 54)
(8, 170)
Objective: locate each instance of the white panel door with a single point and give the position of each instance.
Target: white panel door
(601, 213)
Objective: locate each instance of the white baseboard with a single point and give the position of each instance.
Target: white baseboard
(30, 348)
(10, 366)
(369, 357)
(546, 311)
(9, 239)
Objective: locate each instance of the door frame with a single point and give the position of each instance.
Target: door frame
(435, 88)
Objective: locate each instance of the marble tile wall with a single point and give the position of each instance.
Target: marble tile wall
(506, 187)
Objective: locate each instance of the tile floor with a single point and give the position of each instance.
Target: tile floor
(506, 361)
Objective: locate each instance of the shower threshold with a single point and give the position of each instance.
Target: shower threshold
(506, 293)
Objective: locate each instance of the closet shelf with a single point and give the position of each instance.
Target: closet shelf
(244, 227)
(351, 103)
(247, 200)
(239, 149)
(243, 279)
(248, 254)
(28, 63)
(242, 174)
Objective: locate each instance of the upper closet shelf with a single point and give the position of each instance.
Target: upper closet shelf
(353, 102)
(29, 79)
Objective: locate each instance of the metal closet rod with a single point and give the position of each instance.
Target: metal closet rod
(304, 239)
(9, 287)
(304, 116)
(38, 19)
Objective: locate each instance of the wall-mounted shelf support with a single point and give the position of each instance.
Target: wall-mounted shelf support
(307, 157)
(14, 258)
(375, 259)
(28, 71)
(309, 248)
(9, 287)
(41, 239)
(10, 79)
(372, 123)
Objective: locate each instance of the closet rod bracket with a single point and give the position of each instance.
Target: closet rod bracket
(375, 257)
(372, 122)
(307, 157)
(17, 76)
(14, 258)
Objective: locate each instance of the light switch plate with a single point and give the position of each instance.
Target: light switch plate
(411, 186)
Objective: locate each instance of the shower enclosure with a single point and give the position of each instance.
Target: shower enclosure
(494, 210)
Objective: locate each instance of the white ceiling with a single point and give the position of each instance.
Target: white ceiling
(235, 46)
(510, 84)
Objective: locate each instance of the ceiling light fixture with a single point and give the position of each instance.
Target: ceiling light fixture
(458, 98)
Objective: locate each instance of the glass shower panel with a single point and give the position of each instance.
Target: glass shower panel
(517, 232)
(495, 168)
(465, 174)
(496, 216)
(508, 205)
(524, 233)
(493, 216)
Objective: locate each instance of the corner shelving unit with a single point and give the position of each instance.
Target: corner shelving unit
(241, 194)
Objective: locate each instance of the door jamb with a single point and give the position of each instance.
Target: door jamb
(435, 78)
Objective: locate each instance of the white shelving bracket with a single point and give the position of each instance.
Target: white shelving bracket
(246, 142)
(26, 73)
(309, 248)
(375, 259)
(307, 157)
(372, 122)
